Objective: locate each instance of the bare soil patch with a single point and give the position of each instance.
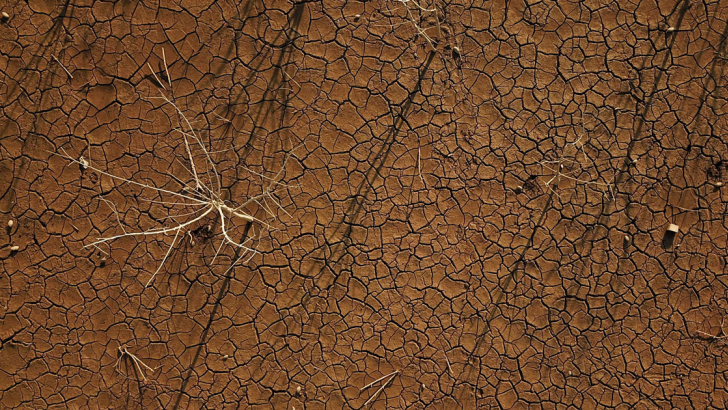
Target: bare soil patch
(475, 211)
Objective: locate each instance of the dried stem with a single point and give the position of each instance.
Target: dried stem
(559, 173)
(722, 335)
(138, 363)
(202, 198)
(413, 21)
(155, 76)
(166, 69)
(62, 66)
(376, 394)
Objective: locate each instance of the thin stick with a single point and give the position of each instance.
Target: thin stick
(437, 20)
(194, 135)
(62, 66)
(113, 209)
(165, 258)
(715, 337)
(712, 337)
(412, 20)
(449, 368)
(125, 352)
(192, 161)
(153, 231)
(419, 163)
(289, 76)
(164, 58)
(376, 394)
(91, 167)
(378, 380)
(155, 76)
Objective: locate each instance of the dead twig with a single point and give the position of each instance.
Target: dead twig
(376, 394)
(447, 360)
(201, 195)
(166, 69)
(722, 335)
(138, 363)
(557, 168)
(155, 76)
(449, 367)
(62, 66)
(412, 20)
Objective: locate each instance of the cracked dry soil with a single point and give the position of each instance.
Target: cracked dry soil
(481, 226)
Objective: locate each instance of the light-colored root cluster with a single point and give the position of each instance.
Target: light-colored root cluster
(200, 197)
(139, 365)
(569, 158)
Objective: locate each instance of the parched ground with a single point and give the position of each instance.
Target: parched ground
(482, 225)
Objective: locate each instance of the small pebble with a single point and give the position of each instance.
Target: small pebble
(298, 390)
(357, 17)
(626, 238)
(225, 357)
(10, 223)
(5, 15)
(103, 261)
(14, 248)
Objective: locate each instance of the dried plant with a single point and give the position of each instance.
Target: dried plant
(415, 13)
(140, 366)
(572, 161)
(200, 197)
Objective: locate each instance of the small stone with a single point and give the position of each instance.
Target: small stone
(103, 261)
(10, 223)
(14, 248)
(518, 189)
(298, 390)
(5, 16)
(670, 29)
(225, 357)
(357, 17)
(673, 228)
(626, 238)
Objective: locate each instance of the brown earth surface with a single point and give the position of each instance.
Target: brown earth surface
(489, 219)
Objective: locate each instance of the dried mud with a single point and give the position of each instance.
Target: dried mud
(488, 219)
